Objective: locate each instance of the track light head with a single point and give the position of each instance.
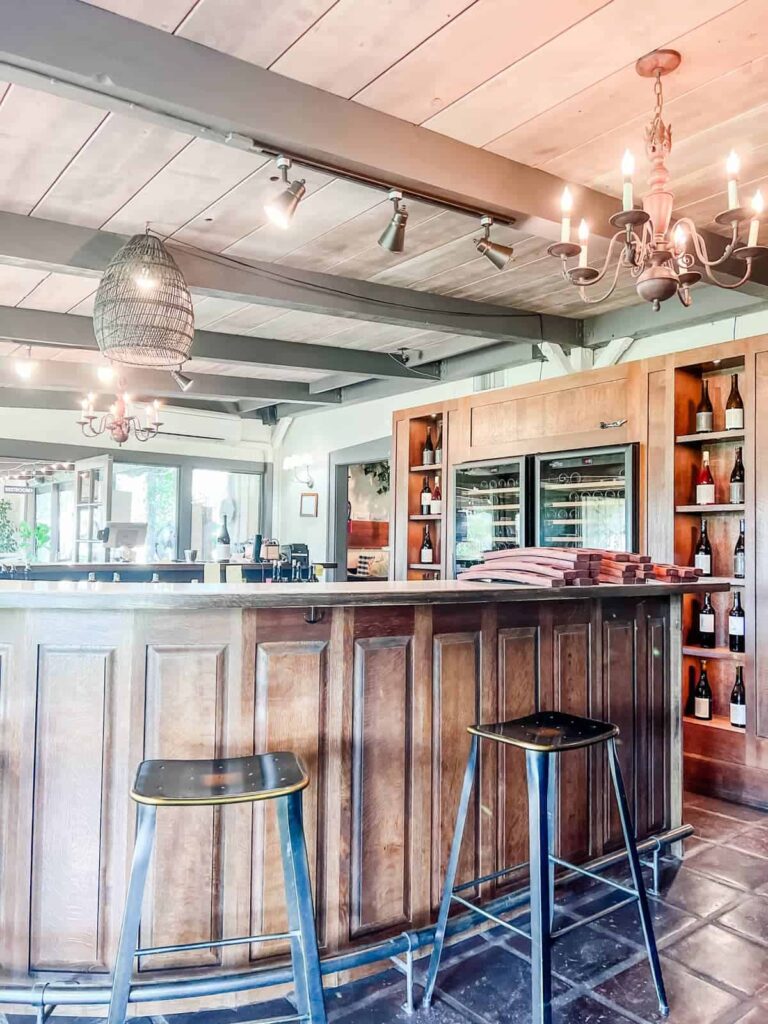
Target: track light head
(393, 236)
(281, 209)
(498, 254)
(184, 382)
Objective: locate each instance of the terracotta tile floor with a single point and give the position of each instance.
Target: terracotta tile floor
(711, 920)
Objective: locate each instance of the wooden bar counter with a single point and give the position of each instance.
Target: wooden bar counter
(375, 696)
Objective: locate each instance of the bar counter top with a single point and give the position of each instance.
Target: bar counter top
(127, 596)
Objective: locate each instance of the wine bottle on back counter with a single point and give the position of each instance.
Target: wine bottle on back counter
(736, 624)
(704, 414)
(427, 551)
(428, 451)
(734, 407)
(436, 501)
(223, 545)
(426, 497)
(707, 623)
(705, 483)
(439, 444)
(737, 480)
(703, 554)
(702, 698)
(739, 701)
(740, 555)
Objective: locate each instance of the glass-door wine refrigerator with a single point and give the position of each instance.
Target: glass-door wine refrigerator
(587, 498)
(490, 510)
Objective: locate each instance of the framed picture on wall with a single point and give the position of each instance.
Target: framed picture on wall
(308, 504)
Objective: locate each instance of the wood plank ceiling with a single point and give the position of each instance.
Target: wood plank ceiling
(551, 85)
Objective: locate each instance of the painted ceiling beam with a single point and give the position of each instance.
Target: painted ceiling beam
(40, 398)
(81, 378)
(66, 330)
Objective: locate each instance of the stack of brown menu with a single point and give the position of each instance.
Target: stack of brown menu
(573, 567)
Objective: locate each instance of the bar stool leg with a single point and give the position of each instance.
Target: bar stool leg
(129, 932)
(450, 874)
(301, 920)
(637, 875)
(552, 832)
(538, 769)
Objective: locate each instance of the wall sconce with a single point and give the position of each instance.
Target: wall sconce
(301, 472)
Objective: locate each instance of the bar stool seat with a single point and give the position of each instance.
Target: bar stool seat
(544, 736)
(231, 780)
(547, 731)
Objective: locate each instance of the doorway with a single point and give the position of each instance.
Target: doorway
(359, 519)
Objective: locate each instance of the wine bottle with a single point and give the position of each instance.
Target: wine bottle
(704, 415)
(736, 624)
(740, 555)
(703, 553)
(707, 623)
(737, 480)
(428, 451)
(223, 549)
(439, 445)
(426, 497)
(702, 700)
(705, 483)
(427, 551)
(734, 407)
(436, 501)
(739, 701)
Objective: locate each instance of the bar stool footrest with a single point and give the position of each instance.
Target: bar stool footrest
(215, 943)
(491, 917)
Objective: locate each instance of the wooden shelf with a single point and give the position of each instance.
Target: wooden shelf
(710, 437)
(708, 510)
(713, 653)
(716, 722)
(619, 484)
(427, 469)
(425, 567)
(430, 518)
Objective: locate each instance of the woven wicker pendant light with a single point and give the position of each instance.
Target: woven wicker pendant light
(143, 314)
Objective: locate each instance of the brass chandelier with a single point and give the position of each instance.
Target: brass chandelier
(659, 254)
(119, 422)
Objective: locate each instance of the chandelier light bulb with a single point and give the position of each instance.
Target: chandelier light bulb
(627, 170)
(732, 168)
(144, 280)
(566, 205)
(758, 205)
(680, 238)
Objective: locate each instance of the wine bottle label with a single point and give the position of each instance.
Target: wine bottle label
(735, 625)
(428, 458)
(703, 562)
(734, 419)
(436, 507)
(739, 714)
(707, 623)
(705, 494)
(739, 565)
(703, 421)
(701, 707)
(426, 555)
(737, 493)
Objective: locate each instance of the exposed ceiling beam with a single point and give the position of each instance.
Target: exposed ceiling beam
(66, 330)
(68, 248)
(81, 378)
(35, 398)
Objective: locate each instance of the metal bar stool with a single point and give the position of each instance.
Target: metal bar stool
(544, 736)
(233, 780)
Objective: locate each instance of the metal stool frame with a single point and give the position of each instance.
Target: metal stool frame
(304, 954)
(541, 769)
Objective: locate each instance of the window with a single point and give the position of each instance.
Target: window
(41, 549)
(148, 494)
(66, 520)
(216, 494)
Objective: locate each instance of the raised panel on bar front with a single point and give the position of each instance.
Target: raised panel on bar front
(382, 725)
(184, 715)
(619, 706)
(653, 730)
(572, 681)
(72, 788)
(291, 706)
(455, 705)
(518, 686)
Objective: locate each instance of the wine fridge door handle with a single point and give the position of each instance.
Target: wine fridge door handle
(611, 424)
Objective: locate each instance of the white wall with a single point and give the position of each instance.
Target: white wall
(318, 434)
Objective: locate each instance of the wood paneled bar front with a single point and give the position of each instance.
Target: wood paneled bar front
(372, 686)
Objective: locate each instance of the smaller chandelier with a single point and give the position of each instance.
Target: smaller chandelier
(647, 244)
(119, 423)
(143, 313)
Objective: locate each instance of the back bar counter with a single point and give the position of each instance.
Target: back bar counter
(373, 687)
